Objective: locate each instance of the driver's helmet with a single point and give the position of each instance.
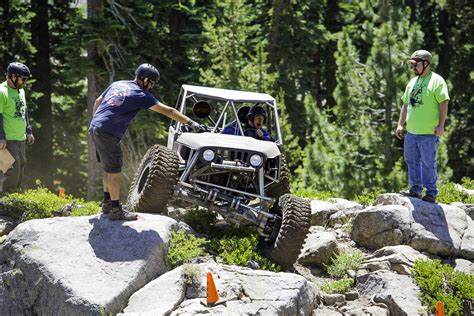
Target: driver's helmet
(19, 69)
(147, 71)
(257, 110)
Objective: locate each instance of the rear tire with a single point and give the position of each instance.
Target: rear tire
(154, 181)
(295, 222)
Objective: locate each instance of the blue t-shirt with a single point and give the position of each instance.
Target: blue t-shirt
(121, 102)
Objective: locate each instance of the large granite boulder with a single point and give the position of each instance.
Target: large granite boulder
(242, 291)
(396, 291)
(440, 229)
(80, 265)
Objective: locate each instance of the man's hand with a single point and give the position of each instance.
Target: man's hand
(3, 144)
(439, 130)
(399, 132)
(259, 133)
(196, 127)
(30, 139)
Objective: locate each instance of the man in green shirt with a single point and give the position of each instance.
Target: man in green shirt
(425, 107)
(15, 130)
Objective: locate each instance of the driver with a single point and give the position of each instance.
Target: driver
(256, 117)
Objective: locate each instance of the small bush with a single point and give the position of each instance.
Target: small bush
(239, 250)
(183, 248)
(440, 282)
(41, 203)
(448, 193)
(200, 219)
(340, 286)
(315, 195)
(368, 198)
(191, 273)
(343, 262)
(467, 183)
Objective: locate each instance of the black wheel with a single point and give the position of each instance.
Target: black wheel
(289, 233)
(283, 187)
(154, 181)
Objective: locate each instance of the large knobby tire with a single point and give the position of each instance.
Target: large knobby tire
(283, 186)
(154, 181)
(296, 220)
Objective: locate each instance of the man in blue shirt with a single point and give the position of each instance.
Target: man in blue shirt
(114, 110)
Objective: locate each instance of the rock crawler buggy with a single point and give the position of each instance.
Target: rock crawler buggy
(243, 179)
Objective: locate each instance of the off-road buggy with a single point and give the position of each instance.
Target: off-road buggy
(243, 179)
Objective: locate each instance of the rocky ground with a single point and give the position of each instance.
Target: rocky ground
(91, 265)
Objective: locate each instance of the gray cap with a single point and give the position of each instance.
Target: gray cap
(420, 55)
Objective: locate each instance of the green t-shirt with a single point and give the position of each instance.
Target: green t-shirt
(13, 109)
(423, 97)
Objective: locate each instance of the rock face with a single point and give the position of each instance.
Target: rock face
(320, 246)
(336, 211)
(81, 265)
(397, 292)
(439, 229)
(242, 291)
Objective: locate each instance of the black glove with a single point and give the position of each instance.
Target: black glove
(196, 127)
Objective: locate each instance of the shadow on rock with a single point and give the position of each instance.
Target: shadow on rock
(433, 219)
(114, 241)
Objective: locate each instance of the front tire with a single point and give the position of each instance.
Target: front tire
(154, 181)
(285, 248)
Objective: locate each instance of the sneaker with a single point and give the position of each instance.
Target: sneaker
(429, 198)
(119, 214)
(106, 206)
(412, 194)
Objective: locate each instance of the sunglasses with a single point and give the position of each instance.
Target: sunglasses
(22, 77)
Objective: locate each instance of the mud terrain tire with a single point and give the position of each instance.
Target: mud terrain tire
(283, 187)
(295, 223)
(153, 183)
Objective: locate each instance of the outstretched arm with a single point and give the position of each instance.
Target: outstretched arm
(170, 112)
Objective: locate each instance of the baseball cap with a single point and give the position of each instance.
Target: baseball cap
(420, 55)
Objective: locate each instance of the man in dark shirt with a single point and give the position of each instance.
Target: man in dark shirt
(114, 109)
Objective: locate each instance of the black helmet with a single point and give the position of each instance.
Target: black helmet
(147, 71)
(257, 110)
(18, 69)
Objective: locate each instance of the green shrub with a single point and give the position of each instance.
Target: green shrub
(339, 286)
(467, 183)
(41, 203)
(315, 195)
(191, 273)
(343, 262)
(448, 193)
(440, 282)
(368, 198)
(200, 219)
(239, 250)
(184, 247)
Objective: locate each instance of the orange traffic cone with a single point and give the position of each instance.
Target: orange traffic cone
(212, 295)
(61, 193)
(439, 309)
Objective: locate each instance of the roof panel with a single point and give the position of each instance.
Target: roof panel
(225, 94)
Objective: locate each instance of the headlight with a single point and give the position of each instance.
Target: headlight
(208, 155)
(256, 160)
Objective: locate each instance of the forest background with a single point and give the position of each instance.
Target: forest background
(337, 68)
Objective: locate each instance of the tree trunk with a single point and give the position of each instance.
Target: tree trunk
(94, 9)
(41, 160)
(6, 29)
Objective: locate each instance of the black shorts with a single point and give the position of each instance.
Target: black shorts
(108, 150)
